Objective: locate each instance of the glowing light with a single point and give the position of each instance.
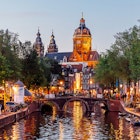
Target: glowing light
(121, 85)
(91, 81)
(61, 130)
(61, 82)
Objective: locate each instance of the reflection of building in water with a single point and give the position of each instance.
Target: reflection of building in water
(82, 130)
(75, 106)
(77, 114)
(54, 113)
(20, 135)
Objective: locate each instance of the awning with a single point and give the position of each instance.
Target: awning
(27, 92)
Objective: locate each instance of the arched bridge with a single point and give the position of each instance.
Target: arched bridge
(61, 102)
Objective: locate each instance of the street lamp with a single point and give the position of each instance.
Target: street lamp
(121, 89)
(61, 85)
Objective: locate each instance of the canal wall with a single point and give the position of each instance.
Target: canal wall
(114, 105)
(7, 118)
(118, 105)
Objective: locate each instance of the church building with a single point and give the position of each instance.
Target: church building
(82, 48)
(78, 65)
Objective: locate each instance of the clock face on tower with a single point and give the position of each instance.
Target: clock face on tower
(78, 46)
(78, 42)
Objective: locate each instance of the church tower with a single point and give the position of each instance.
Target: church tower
(52, 46)
(81, 43)
(38, 45)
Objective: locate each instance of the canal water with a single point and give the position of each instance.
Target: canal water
(73, 125)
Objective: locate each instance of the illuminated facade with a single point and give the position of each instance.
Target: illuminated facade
(82, 45)
(80, 58)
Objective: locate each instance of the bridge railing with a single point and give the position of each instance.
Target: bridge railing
(72, 95)
(50, 96)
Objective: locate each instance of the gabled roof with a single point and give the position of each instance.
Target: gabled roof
(93, 56)
(27, 92)
(75, 66)
(19, 83)
(58, 56)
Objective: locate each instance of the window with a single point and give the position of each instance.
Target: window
(65, 59)
(55, 57)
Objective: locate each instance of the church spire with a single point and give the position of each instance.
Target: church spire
(82, 15)
(38, 33)
(38, 45)
(82, 21)
(52, 46)
(52, 36)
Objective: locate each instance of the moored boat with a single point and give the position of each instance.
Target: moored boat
(122, 114)
(136, 123)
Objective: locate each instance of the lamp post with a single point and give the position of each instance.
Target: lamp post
(61, 85)
(4, 97)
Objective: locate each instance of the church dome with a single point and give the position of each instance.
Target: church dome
(82, 29)
(52, 46)
(52, 41)
(38, 39)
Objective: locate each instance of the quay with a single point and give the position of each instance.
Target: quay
(7, 118)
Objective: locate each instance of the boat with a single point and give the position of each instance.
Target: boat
(128, 119)
(122, 114)
(92, 114)
(136, 123)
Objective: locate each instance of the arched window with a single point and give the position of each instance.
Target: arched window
(64, 59)
(84, 31)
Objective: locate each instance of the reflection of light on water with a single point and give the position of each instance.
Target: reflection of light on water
(121, 128)
(76, 126)
(126, 129)
(18, 134)
(61, 130)
(15, 135)
(111, 129)
(131, 135)
(77, 114)
(5, 135)
(90, 132)
(82, 126)
(54, 113)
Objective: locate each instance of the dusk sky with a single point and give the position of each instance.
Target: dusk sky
(104, 18)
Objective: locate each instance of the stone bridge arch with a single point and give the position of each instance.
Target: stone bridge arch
(76, 99)
(61, 103)
(98, 103)
(51, 104)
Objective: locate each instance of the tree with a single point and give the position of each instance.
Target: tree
(106, 69)
(7, 43)
(31, 71)
(122, 61)
(49, 67)
(4, 69)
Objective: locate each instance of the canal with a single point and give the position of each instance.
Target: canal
(72, 125)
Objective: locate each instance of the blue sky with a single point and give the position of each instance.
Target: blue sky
(104, 18)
